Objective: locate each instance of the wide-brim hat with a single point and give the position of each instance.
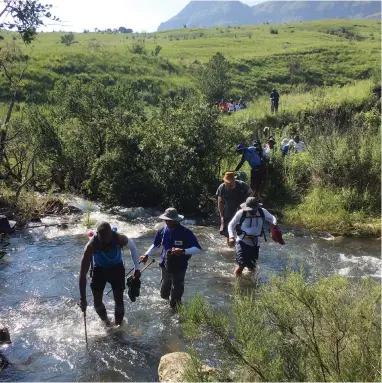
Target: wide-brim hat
(229, 177)
(250, 204)
(171, 214)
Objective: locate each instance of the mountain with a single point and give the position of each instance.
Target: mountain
(205, 14)
(294, 11)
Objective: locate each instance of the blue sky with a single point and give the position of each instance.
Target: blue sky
(140, 15)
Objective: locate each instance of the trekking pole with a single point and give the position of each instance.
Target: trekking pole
(125, 277)
(130, 278)
(132, 271)
(86, 332)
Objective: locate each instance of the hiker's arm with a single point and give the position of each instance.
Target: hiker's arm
(154, 247)
(232, 225)
(240, 164)
(221, 206)
(124, 241)
(85, 265)
(269, 217)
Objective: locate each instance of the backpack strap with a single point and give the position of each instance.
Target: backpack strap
(260, 210)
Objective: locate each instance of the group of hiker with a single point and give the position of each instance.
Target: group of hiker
(242, 220)
(231, 106)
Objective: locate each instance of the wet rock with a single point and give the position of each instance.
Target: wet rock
(36, 220)
(4, 336)
(172, 367)
(70, 209)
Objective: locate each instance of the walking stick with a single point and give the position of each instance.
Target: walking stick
(125, 277)
(86, 332)
(134, 269)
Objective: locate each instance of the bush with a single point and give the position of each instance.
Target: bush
(293, 331)
(273, 31)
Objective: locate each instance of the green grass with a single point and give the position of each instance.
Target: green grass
(259, 59)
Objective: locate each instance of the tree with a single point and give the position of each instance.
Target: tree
(68, 40)
(125, 30)
(25, 16)
(13, 64)
(156, 51)
(138, 47)
(214, 80)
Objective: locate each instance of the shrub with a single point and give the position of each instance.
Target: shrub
(292, 330)
(273, 31)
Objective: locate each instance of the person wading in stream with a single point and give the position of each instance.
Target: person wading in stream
(231, 193)
(104, 254)
(178, 245)
(248, 224)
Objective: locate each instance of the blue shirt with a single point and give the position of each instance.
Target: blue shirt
(109, 259)
(181, 238)
(252, 156)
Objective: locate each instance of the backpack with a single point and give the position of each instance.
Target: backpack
(171, 262)
(244, 216)
(255, 157)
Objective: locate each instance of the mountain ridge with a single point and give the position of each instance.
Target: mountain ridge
(206, 14)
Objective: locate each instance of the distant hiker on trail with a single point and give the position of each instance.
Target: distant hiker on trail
(231, 107)
(178, 245)
(271, 142)
(256, 157)
(104, 254)
(296, 144)
(274, 97)
(285, 146)
(242, 104)
(231, 193)
(249, 226)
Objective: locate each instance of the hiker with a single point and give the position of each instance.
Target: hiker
(271, 142)
(103, 253)
(178, 245)
(231, 107)
(285, 146)
(274, 97)
(248, 222)
(242, 104)
(231, 193)
(296, 144)
(237, 106)
(256, 157)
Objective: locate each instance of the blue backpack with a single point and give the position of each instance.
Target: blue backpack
(254, 157)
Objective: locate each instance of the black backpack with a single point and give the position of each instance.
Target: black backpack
(244, 216)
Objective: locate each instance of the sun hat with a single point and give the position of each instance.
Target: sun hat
(229, 177)
(251, 203)
(171, 214)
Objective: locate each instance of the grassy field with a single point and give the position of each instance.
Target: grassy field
(330, 52)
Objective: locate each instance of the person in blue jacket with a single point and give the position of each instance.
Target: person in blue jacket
(178, 245)
(256, 157)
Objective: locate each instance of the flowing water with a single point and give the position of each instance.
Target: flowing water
(39, 271)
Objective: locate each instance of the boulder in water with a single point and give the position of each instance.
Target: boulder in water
(4, 336)
(172, 367)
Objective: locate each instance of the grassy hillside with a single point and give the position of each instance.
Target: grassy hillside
(104, 130)
(303, 54)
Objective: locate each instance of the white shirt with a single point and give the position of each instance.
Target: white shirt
(298, 146)
(231, 107)
(252, 225)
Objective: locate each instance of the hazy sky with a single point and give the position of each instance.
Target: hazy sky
(140, 15)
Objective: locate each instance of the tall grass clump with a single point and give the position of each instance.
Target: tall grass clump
(292, 330)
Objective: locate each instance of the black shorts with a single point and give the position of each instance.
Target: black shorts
(246, 255)
(114, 275)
